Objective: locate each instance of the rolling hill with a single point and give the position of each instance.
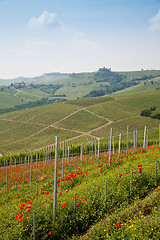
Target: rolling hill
(51, 87)
(78, 120)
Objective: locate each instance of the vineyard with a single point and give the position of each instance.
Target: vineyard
(77, 121)
(62, 194)
(100, 179)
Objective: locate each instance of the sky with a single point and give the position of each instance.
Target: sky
(44, 36)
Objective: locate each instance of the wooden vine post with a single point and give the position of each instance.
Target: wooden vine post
(63, 161)
(92, 151)
(144, 141)
(95, 149)
(127, 140)
(136, 138)
(7, 180)
(110, 146)
(113, 144)
(55, 181)
(119, 150)
(31, 169)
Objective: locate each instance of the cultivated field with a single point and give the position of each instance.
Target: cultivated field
(75, 120)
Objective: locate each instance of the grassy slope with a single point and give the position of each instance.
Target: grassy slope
(90, 186)
(82, 89)
(78, 119)
(136, 74)
(75, 86)
(8, 99)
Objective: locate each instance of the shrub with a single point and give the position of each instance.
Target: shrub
(146, 112)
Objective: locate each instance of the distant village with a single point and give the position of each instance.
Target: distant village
(26, 85)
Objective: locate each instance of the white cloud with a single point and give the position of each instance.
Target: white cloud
(45, 19)
(155, 22)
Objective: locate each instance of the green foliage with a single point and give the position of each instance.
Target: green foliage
(156, 115)
(89, 185)
(78, 120)
(146, 112)
(96, 93)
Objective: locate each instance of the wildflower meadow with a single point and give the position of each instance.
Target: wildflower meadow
(117, 192)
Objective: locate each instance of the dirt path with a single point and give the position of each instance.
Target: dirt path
(17, 92)
(54, 125)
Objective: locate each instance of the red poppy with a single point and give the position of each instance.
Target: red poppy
(120, 175)
(49, 233)
(52, 198)
(64, 204)
(117, 224)
(28, 206)
(47, 193)
(30, 202)
(21, 207)
(83, 200)
(159, 188)
(28, 210)
(16, 217)
(139, 166)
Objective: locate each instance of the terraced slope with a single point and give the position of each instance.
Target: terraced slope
(77, 121)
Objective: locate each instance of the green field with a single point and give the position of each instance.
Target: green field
(78, 120)
(95, 199)
(79, 85)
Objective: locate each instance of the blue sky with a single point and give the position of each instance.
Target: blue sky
(39, 36)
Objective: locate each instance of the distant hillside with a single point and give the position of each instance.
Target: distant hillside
(78, 120)
(60, 87)
(46, 77)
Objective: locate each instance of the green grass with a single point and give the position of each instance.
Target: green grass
(91, 101)
(32, 94)
(114, 110)
(89, 185)
(7, 100)
(75, 86)
(82, 121)
(36, 140)
(141, 100)
(134, 123)
(140, 221)
(138, 88)
(136, 74)
(26, 129)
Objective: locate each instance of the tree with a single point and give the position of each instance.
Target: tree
(146, 112)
